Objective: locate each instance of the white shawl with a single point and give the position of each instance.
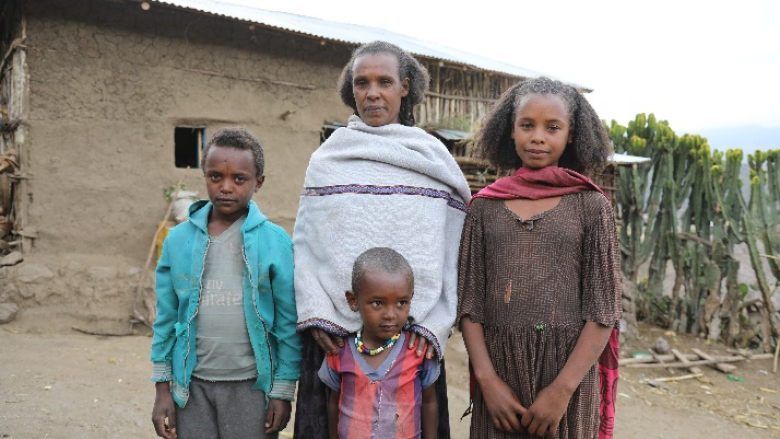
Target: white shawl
(390, 186)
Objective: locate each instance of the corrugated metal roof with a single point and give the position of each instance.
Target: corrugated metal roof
(619, 159)
(351, 34)
(448, 134)
(625, 159)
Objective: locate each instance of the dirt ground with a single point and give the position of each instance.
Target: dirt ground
(68, 385)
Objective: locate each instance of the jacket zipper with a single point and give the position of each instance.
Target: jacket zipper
(257, 312)
(197, 309)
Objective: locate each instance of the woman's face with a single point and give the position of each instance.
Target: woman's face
(378, 89)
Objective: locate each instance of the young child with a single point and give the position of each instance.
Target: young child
(539, 281)
(225, 347)
(379, 388)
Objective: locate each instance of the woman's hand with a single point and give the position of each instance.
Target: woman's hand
(327, 342)
(430, 353)
(544, 415)
(503, 405)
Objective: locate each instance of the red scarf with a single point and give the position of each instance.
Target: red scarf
(554, 181)
(534, 184)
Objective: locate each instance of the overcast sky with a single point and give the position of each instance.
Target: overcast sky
(697, 64)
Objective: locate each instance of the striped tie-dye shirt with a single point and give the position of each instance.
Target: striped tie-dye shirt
(382, 403)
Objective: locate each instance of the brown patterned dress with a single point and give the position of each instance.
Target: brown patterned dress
(533, 284)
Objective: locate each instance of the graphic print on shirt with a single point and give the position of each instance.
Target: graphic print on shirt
(223, 346)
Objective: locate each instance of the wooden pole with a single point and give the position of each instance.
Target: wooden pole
(723, 367)
(684, 360)
(702, 362)
(139, 289)
(655, 357)
(679, 378)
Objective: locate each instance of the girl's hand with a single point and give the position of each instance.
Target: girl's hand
(326, 341)
(503, 405)
(544, 415)
(430, 353)
(550, 404)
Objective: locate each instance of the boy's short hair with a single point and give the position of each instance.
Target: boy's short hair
(384, 259)
(237, 138)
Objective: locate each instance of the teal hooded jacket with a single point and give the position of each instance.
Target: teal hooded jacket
(269, 303)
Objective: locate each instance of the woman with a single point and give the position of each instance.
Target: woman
(378, 182)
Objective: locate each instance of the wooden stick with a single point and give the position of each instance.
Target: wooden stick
(139, 288)
(14, 44)
(777, 354)
(472, 161)
(723, 367)
(661, 360)
(140, 318)
(746, 353)
(459, 98)
(703, 362)
(151, 309)
(679, 378)
(685, 361)
(103, 334)
(475, 177)
(666, 357)
(689, 357)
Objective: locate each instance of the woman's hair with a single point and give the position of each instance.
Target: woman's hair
(236, 138)
(590, 146)
(408, 67)
(383, 259)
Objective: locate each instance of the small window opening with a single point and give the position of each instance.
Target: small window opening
(328, 128)
(189, 143)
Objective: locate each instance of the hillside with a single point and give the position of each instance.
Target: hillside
(749, 138)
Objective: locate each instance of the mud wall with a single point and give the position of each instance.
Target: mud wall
(59, 292)
(109, 82)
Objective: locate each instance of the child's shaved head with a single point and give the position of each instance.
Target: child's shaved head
(383, 259)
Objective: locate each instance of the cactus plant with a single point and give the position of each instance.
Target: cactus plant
(686, 206)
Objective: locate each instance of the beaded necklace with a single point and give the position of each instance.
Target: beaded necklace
(366, 351)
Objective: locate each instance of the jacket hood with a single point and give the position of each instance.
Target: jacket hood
(199, 215)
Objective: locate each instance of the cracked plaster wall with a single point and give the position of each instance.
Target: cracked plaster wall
(108, 84)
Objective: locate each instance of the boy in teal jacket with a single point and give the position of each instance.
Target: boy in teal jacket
(225, 349)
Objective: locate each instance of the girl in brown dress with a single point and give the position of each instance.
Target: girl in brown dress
(539, 276)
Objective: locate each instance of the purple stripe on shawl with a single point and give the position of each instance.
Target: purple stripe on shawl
(428, 335)
(366, 189)
(323, 324)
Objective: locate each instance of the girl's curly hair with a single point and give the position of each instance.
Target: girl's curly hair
(587, 153)
(408, 67)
